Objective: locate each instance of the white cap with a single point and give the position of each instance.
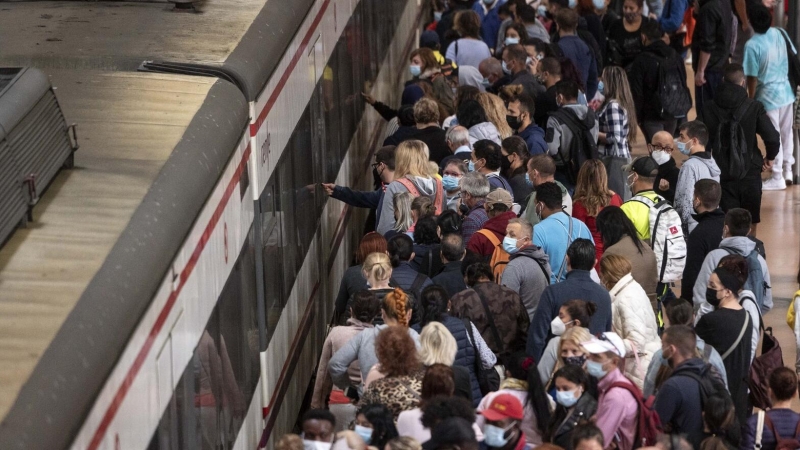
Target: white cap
(607, 342)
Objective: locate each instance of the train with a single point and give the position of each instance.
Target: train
(175, 287)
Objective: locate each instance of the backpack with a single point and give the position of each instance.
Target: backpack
(771, 358)
(729, 144)
(438, 199)
(673, 94)
(649, 423)
(755, 277)
(499, 259)
(666, 238)
(582, 147)
(781, 443)
(709, 384)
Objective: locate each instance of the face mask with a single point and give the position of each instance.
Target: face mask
(505, 164)
(575, 360)
(631, 180)
(601, 87)
(471, 166)
(598, 4)
(542, 11)
(316, 445)
(528, 180)
(573, 4)
(566, 399)
(558, 327)
(683, 147)
(511, 41)
(437, 15)
(711, 297)
(505, 69)
(494, 436)
(510, 245)
(660, 156)
(630, 17)
(415, 70)
(595, 369)
(486, 83)
(514, 122)
(364, 432)
(450, 183)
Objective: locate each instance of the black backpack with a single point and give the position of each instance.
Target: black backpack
(582, 147)
(729, 144)
(674, 95)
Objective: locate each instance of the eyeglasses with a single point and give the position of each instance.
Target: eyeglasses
(654, 148)
(376, 165)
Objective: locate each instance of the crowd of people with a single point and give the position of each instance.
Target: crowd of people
(528, 283)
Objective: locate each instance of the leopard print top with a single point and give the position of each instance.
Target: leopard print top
(396, 393)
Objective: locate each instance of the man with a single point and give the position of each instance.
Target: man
(528, 269)
(502, 424)
(562, 130)
(498, 208)
(452, 253)
(401, 250)
(318, 427)
(743, 191)
(576, 49)
(426, 116)
(679, 402)
(711, 43)
(515, 62)
(520, 119)
(505, 324)
(474, 189)
(486, 159)
(457, 139)
(735, 240)
(526, 15)
(549, 74)
(700, 165)
(645, 82)
(766, 65)
(490, 21)
(384, 167)
(641, 179)
(706, 236)
(493, 77)
(578, 284)
(542, 169)
(660, 149)
(617, 413)
(557, 230)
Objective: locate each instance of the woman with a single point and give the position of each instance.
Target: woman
(588, 11)
(395, 312)
(463, 93)
(375, 425)
(632, 320)
(420, 207)
(426, 72)
(782, 390)
(438, 381)
(592, 196)
(737, 265)
(449, 222)
(364, 308)
(616, 118)
(403, 216)
(496, 113)
(624, 35)
(427, 251)
(472, 116)
(469, 50)
(515, 34)
(514, 166)
(574, 404)
(451, 175)
(436, 304)
(377, 270)
(400, 387)
(487, 158)
(570, 328)
(619, 237)
(522, 381)
(410, 175)
(728, 329)
(354, 278)
(721, 427)
(438, 346)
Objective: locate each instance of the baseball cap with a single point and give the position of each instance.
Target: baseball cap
(605, 342)
(644, 166)
(429, 39)
(502, 407)
(500, 196)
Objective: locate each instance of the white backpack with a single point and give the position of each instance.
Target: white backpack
(666, 238)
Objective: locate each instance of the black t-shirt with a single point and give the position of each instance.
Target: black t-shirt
(628, 43)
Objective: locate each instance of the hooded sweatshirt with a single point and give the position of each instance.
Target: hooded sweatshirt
(469, 76)
(480, 244)
(527, 274)
(699, 166)
(679, 402)
(742, 245)
(484, 130)
(559, 136)
(386, 222)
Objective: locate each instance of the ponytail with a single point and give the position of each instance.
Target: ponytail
(395, 306)
(434, 302)
(377, 266)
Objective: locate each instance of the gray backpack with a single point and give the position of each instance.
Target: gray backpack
(755, 277)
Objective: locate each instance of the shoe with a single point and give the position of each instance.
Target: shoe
(789, 177)
(774, 184)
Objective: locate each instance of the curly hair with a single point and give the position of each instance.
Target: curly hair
(425, 232)
(395, 306)
(372, 242)
(495, 111)
(396, 352)
(383, 428)
(592, 187)
(438, 380)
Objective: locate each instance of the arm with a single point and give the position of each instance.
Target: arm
(672, 18)
(548, 361)
(385, 111)
(386, 214)
(341, 360)
(591, 81)
(667, 403)
(684, 192)
(609, 415)
(695, 252)
(768, 133)
(540, 326)
(615, 134)
(359, 199)
(652, 372)
(488, 358)
(741, 10)
(553, 136)
(768, 293)
(655, 8)
(752, 82)
(631, 331)
(323, 385)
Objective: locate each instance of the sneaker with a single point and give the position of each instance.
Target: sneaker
(788, 176)
(774, 184)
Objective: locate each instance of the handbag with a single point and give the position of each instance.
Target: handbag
(488, 379)
(771, 357)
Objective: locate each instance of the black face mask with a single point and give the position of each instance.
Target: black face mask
(514, 122)
(505, 164)
(575, 360)
(711, 297)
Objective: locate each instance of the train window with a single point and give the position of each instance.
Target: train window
(271, 231)
(306, 218)
(289, 231)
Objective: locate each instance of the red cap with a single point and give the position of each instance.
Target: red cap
(502, 407)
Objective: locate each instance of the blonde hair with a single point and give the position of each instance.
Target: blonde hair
(426, 110)
(289, 441)
(617, 88)
(378, 266)
(613, 268)
(496, 113)
(403, 443)
(402, 206)
(423, 206)
(433, 169)
(592, 187)
(575, 336)
(437, 345)
(411, 158)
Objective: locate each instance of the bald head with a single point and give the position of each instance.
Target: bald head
(491, 69)
(662, 140)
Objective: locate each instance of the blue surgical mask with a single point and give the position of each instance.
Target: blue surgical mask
(595, 369)
(505, 69)
(511, 41)
(599, 4)
(364, 432)
(601, 87)
(528, 180)
(437, 15)
(573, 4)
(486, 83)
(471, 166)
(510, 245)
(682, 147)
(488, 2)
(494, 436)
(450, 183)
(566, 399)
(415, 70)
(541, 11)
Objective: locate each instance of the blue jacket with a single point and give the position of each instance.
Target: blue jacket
(450, 278)
(785, 421)
(534, 137)
(672, 15)
(679, 402)
(579, 284)
(403, 276)
(490, 22)
(581, 55)
(360, 199)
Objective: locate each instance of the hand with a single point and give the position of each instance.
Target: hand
(652, 16)
(663, 185)
(368, 98)
(767, 167)
(699, 78)
(328, 188)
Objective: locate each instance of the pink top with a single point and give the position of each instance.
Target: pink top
(617, 412)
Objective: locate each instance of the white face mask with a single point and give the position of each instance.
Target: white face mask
(660, 156)
(316, 445)
(558, 327)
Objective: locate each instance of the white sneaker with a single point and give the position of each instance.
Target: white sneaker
(788, 176)
(774, 184)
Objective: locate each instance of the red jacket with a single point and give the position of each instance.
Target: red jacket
(480, 244)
